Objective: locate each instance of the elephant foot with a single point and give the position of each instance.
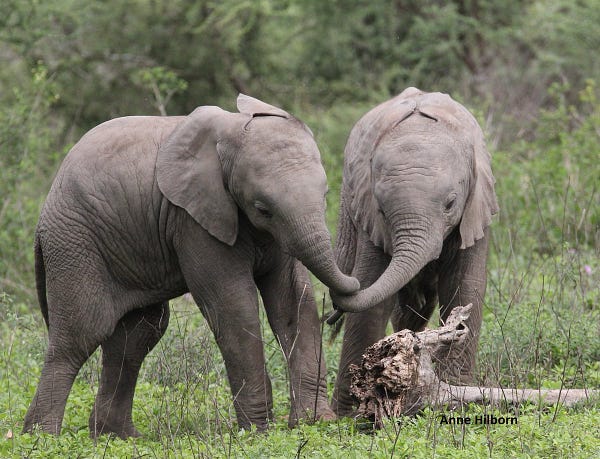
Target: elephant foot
(343, 406)
(344, 411)
(323, 413)
(261, 422)
(326, 415)
(261, 426)
(51, 426)
(122, 428)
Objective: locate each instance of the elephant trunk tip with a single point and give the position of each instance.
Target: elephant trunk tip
(330, 275)
(356, 301)
(334, 317)
(349, 286)
(311, 244)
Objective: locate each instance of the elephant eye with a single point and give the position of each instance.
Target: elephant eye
(262, 209)
(450, 203)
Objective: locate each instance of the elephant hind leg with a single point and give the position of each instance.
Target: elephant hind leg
(64, 358)
(122, 355)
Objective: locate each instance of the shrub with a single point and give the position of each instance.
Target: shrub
(29, 154)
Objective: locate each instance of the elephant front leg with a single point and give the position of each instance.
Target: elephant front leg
(363, 328)
(221, 281)
(292, 312)
(360, 331)
(462, 281)
(231, 309)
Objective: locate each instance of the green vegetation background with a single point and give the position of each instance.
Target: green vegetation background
(527, 69)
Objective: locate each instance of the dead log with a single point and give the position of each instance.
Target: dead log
(397, 376)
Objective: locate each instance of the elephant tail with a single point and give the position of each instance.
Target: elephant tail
(40, 279)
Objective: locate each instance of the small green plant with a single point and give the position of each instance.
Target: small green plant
(163, 83)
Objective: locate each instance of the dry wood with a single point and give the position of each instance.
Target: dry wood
(397, 377)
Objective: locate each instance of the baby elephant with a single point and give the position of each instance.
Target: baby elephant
(144, 209)
(416, 201)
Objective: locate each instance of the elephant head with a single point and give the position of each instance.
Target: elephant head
(262, 161)
(416, 168)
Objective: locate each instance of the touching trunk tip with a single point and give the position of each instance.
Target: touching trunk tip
(334, 316)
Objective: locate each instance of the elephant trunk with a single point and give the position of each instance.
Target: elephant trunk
(311, 244)
(414, 245)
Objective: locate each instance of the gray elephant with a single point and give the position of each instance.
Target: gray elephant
(144, 209)
(417, 198)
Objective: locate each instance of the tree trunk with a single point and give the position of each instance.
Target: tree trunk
(396, 376)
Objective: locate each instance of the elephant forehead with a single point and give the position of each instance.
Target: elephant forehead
(269, 130)
(284, 167)
(278, 148)
(432, 152)
(280, 160)
(292, 186)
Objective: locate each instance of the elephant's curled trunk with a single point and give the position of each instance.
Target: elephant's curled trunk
(411, 252)
(314, 250)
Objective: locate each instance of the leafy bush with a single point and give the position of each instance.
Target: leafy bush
(29, 155)
(543, 302)
(548, 187)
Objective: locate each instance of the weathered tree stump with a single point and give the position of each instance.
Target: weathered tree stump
(397, 377)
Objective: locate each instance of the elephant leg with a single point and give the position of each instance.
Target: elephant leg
(234, 320)
(72, 338)
(361, 329)
(462, 281)
(63, 361)
(364, 328)
(222, 285)
(292, 312)
(122, 354)
(416, 302)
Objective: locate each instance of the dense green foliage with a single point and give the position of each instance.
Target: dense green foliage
(525, 68)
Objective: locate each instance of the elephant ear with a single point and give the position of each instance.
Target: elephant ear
(190, 175)
(360, 149)
(254, 107)
(481, 203)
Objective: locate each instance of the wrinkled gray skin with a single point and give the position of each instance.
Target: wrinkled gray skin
(417, 198)
(144, 209)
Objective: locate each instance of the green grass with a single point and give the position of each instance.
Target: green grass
(572, 434)
(184, 409)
